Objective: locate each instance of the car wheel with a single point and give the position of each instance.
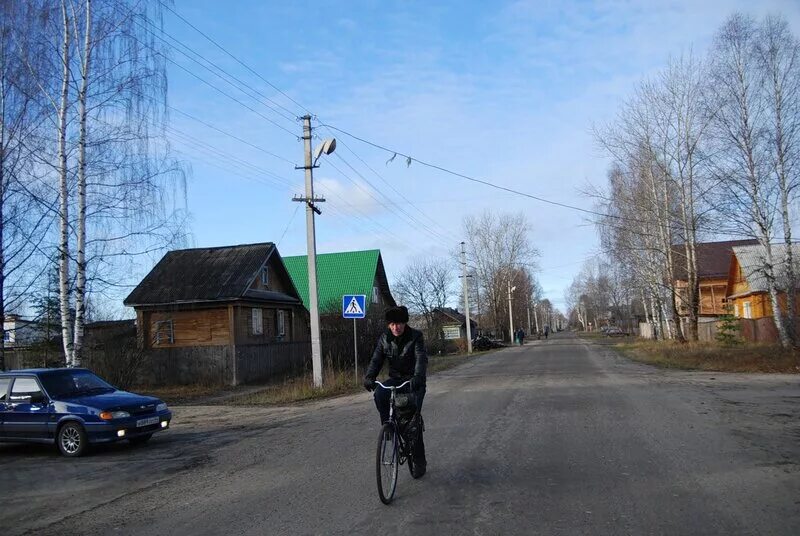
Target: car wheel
(140, 440)
(72, 440)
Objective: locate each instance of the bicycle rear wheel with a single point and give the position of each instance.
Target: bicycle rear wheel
(387, 462)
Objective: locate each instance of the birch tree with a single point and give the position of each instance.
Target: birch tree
(114, 171)
(778, 53)
(744, 131)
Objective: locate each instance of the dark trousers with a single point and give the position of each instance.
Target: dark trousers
(383, 399)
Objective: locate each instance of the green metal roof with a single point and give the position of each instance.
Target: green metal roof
(351, 272)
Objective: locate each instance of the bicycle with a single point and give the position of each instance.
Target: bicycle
(395, 447)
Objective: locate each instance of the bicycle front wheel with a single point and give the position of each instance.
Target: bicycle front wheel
(387, 462)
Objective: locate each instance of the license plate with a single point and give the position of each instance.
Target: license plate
(146, 422)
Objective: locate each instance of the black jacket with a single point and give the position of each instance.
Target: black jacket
(406, 355)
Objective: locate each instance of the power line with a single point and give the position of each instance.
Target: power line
(410, 158)
(411, 218)
(240, 82)
(237, 60)
(395, 190)
(233, 136)
(234, 159)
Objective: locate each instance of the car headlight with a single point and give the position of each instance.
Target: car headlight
(108, 415)
(161, 407)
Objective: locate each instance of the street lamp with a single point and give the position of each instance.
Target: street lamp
(326, 147)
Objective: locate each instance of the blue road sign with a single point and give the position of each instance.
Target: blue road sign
(354, 306)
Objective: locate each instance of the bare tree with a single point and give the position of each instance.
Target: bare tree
(114, 169)
(25, 204)
(498, 252)
(778, 53)
(425, 285)
(743, 128)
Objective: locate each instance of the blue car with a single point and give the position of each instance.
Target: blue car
(73, 408)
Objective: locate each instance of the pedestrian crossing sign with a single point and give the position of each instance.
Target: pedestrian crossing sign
(354, 306)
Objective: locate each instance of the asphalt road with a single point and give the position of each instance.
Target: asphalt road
(557, 437)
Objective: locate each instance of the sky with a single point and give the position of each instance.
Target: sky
(504, 91)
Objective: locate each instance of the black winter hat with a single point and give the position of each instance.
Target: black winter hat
(397, 314)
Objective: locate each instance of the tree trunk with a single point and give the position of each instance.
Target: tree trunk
(80, 274)
(63, 253)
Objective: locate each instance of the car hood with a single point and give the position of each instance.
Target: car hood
(117, 399)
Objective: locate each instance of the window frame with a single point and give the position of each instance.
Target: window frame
(376, 296)
(157, 332)
(256, 321)
(265, 276)
(280, 323)
(747, 310)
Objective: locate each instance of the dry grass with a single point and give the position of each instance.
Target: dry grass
(335, 383)
(713, 357)
(299, 389)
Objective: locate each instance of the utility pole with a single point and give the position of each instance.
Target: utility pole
(529, 319)
(311, 240)
(466, 297)
(510, 314)
(535, 318)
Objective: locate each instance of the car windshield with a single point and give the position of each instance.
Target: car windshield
(67, 383)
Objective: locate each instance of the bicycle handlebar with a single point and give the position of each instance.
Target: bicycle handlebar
(393, 386)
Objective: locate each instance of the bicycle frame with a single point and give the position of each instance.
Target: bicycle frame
(399, 437)
(399, 449)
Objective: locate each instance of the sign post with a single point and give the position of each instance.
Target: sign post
(354, 306)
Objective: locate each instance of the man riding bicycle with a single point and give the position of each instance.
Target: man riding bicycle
(404, 347)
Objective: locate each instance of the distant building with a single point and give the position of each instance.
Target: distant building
(21, 333)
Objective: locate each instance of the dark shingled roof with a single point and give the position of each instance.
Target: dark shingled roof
(205, 274)
(713, 258)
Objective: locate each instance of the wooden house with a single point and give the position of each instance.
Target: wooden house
(713, 262)
(747, 290)
(452, 324)
(236, 303)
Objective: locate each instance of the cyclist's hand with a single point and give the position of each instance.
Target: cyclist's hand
(417, 382)
(369, 384)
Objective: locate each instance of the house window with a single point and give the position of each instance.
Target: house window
(747, 310)
(265, 277)
(7, 335)
(376, 297)
(256, 322)
(281, 323)
(164, 332)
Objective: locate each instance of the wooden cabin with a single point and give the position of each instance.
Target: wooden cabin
(747, 289)
(233, 297)
(713, 263)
